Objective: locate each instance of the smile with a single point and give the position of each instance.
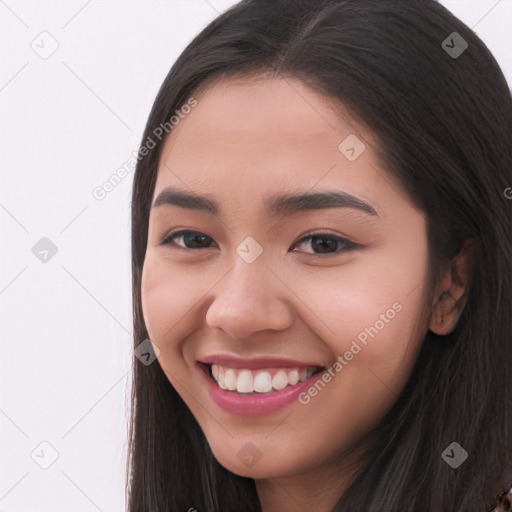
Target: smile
(252, 381)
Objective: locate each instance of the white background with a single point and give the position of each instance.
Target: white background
(67, 124)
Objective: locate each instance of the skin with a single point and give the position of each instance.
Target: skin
(244, 141)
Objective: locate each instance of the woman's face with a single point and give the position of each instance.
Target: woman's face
(263, 289)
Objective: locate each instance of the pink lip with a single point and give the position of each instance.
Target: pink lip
(256, 362)
(257, 404)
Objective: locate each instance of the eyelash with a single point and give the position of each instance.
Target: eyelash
(349, 245)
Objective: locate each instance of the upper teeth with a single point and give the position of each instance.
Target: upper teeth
(259, 381)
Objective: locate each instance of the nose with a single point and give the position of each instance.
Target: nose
(249, 299)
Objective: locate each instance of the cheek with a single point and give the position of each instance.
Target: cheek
(372, 307)
(164, 297)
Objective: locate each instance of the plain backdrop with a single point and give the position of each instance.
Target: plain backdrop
(77, 81)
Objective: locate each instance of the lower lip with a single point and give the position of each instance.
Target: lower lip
(257, 404)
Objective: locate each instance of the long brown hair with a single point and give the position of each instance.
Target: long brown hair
(444, 126)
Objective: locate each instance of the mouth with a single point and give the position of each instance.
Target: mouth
(260, 381)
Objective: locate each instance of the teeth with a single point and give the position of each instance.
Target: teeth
(244, 382)
(230, 380)
(220, 379)
(262, 382)
(293, 377)
(280, 380)
(259, 381)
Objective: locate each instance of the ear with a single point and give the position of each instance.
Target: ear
(451, 294)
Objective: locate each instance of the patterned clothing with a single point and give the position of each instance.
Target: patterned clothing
(504, 502)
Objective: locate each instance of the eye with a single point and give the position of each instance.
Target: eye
(326, 243)
(191, 239)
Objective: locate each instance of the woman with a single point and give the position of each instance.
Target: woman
(321, 262)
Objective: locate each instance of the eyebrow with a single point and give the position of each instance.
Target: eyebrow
(275, 205)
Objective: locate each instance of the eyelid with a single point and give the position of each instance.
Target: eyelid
(168, 239)
(179, 232)
(350, 245)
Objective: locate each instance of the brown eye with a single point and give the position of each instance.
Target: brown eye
(319, 243)
(191, 240)
(325, 243)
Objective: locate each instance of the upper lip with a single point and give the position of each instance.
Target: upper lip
(232, 361)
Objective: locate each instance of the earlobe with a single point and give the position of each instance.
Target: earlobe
(445, 315)
(451, 295)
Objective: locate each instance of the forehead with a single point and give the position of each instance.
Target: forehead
(265, 111)
(246, 139)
